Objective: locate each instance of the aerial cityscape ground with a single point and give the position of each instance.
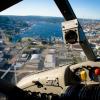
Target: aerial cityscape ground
(38, 52)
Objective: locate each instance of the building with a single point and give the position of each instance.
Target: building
(35, 62)
(50, 61)
(2, 62)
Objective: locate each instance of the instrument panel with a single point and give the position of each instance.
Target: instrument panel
(88, 73)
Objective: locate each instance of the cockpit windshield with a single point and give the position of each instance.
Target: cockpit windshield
(31, 38)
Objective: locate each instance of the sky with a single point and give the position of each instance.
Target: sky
(82, 8)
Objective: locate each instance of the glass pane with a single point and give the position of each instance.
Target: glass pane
(31, 38)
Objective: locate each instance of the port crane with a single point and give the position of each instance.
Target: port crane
(80, 81)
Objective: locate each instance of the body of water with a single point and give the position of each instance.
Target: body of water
(43, 30)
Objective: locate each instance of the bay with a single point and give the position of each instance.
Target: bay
(42, 29)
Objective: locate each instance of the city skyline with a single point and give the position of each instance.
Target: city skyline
(82, 8)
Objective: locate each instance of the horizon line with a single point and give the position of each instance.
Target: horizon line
(48, 16)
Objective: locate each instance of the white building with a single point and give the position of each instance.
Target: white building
(35, 61)
(23, 58)
(50, 61)
(1, 41)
